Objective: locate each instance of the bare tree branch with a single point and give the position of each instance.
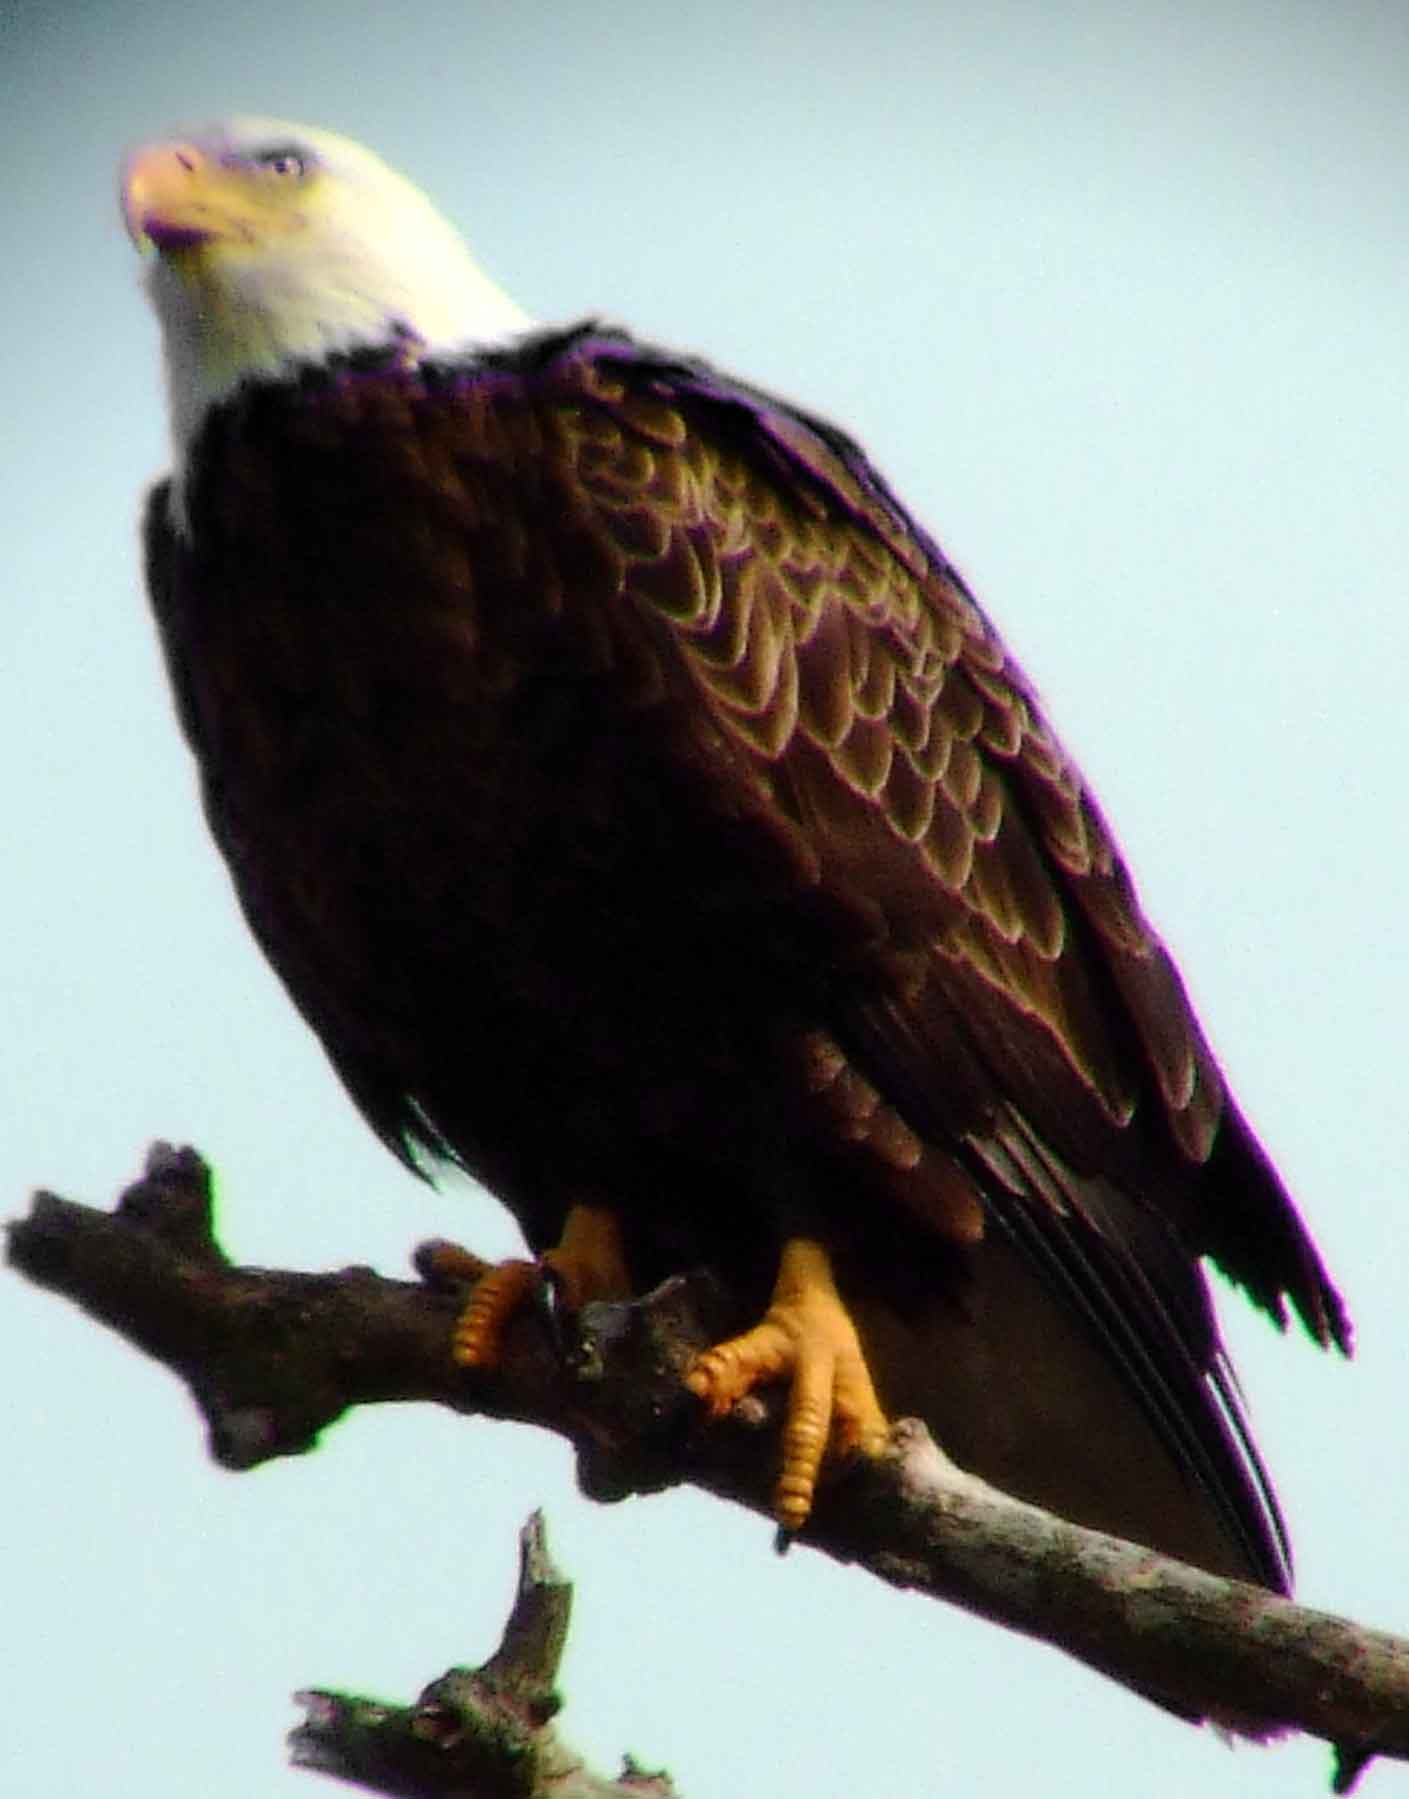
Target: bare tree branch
(476, 1733)
(272, 1358)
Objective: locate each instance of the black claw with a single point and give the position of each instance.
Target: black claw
(553, 1313)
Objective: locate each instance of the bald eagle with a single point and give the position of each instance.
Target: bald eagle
(645, 816)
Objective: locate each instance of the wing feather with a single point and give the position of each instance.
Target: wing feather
(846, 662)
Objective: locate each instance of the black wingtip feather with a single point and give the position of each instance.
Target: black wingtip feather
(1167, 1344)
(1251, 1229)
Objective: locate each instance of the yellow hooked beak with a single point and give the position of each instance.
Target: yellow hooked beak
(176, 197)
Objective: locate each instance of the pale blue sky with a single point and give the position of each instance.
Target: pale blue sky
(1116, 294)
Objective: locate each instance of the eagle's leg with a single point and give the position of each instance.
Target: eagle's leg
(806, 1335)
(588, 1263)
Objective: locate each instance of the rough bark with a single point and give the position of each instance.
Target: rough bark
(272, 1358)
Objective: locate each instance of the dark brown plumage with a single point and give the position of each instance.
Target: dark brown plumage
(643, 813)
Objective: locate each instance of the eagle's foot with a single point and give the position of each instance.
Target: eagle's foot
(498, 1293)
(588, 1263)
(807, 1335)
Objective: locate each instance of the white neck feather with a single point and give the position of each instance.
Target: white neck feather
(218, 336)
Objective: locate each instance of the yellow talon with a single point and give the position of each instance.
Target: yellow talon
(479, 1330)
(588, 1263)
(806, 1333)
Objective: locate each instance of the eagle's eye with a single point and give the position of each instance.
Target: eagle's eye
(285, 163)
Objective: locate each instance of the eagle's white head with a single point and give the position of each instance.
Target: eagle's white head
(273, 244)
